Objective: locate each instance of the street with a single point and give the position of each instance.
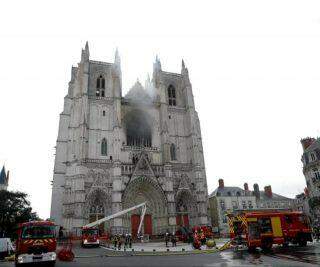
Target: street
(291, 256)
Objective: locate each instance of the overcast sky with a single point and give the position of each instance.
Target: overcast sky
(254, 67)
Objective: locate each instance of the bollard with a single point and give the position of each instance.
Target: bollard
(183, 249)
(142, 249)
(132, 249)
(154, 250)
(168, 249)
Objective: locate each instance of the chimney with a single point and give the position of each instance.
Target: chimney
(306, 142)
(268, 191)
(221, 183)
(256, 191)
(246, 187)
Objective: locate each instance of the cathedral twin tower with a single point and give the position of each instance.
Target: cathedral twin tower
(114, 152)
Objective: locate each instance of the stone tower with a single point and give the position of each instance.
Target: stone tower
(114, 152)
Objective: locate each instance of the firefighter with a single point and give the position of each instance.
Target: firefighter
(115, 241)
(120, 239)
(166, 238)
(202, 237)
(126, 241)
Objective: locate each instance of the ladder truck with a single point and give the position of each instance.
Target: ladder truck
(90, 232)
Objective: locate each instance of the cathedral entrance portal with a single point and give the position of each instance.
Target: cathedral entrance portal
(147, 224)
(185, 209)
(98, 205)
(143, 189)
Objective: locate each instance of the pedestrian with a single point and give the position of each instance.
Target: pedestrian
(126, 241)
(166, 238)
(174, 240)
(130, 241)
(119, 242)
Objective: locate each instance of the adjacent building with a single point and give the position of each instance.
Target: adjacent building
(4, 179)
(115, 151)
(311, 170)
(301, 203)
(268, 200)
(226, 199)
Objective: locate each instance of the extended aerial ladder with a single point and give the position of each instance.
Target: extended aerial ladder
(120, 213)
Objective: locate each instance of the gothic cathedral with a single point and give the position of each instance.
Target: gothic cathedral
(114, 152)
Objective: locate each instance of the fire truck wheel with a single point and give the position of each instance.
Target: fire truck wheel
(266, 244)
(302, 242)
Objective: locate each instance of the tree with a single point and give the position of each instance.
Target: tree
(14, 209)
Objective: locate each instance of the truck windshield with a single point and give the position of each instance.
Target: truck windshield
(38, 231)
(90, 231)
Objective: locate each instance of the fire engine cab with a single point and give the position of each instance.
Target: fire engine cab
(90, 237)
(264, 228)
(36, 242)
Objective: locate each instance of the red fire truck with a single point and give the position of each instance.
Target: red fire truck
(265, 228)
(36, 243)
(90, 237)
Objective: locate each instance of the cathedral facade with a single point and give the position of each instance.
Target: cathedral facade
(115, 151)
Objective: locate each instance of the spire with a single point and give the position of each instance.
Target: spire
(3, 177)
(117, 62)
(157, 64)
(117, 57)
(85, 54)
(7, 177)
(184, 70)
(87, 48)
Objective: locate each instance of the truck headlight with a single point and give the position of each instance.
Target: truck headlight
(20, 259)
(85, 241)
(98, 240)
(53, 256)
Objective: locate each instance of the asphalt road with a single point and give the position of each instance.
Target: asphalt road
(292, 256)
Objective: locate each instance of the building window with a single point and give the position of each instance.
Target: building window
(100, 88)
(229, 193)
(316, 173)
(103, 113)
(172, 96)
(234, 205)
(244, 204)
(104, 147)
(238, 194)
(313, 156)
(250, 204)
(222, 205)
(173, 152)
(224, 219)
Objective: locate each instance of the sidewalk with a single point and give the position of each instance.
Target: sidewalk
(160, 246)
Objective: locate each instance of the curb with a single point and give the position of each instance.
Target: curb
(159, 253)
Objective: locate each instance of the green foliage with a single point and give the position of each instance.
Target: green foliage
(14, 209)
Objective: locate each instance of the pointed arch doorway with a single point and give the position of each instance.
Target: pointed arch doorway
(143, 189)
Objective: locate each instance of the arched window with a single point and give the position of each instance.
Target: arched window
(100, 87)
(104, 147)
(172, 96)
(173, 152)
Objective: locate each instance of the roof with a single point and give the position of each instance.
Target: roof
(227, 191)
(314, 145)
(275, 196)
(36, 223)
(232, 191)
(138, 94)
